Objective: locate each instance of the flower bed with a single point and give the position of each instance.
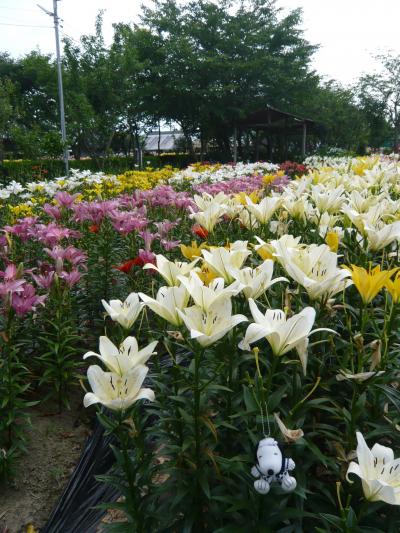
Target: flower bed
(233, 305)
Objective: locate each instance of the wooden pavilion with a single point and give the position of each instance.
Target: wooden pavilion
(272, 122)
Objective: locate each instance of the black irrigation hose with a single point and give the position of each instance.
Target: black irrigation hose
(75, 512)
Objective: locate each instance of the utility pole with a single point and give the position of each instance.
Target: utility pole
(60, 83)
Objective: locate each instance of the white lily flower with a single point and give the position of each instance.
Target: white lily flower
(225, 262)
(314, 268)
(298, 207)
(380, 238)
(171, 270)
(264, 211)
(121, 360)
(281, 333)
(371, 218)
(324, 221)
(247, 220)
(4, 194)
(279, 227)
(286, 241)
(204, 296)
(233, 208)
(378, 470)
(125, 313)
(326, 224)
(114, 391)
(210, 216)
(362, 201)
(207, 327)
(330, 200)
(257, 280)
(238, 246)
(204, 201)
(167, 303)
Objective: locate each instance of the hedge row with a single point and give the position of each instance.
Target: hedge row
(28, 170)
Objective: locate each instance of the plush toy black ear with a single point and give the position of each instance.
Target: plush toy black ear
(284, 460)
(255, 455)
(281, 448)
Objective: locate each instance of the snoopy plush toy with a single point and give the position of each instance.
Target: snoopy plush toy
(271, 467)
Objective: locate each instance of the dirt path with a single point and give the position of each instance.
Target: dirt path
(55, 445)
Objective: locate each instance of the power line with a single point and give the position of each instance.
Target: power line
(23, 25)
(69, 36)
(12, 17)
(17, 9)
(14, 20)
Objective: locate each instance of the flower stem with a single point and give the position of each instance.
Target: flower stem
(196, 418)
(123, 436)
(274, 364)
(9, 360)
(388, 332)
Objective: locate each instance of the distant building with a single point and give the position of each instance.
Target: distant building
(169, 141)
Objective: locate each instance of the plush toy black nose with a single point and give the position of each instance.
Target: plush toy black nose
(270, 472)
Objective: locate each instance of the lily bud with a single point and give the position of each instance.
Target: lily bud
(288, 302)
(359, 342)
(20, 271)
(376, 353)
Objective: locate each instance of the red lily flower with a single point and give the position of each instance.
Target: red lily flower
(200, 231)
(138, 261)
(126, 267)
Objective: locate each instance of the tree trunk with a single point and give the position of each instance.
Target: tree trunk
(159, 144)
(202, 147)
(189, 141)
(108, 143)
(396, 132)
(240, 146)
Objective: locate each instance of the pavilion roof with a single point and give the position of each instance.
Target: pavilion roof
(273, 118)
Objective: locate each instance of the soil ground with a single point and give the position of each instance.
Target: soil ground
(55, 445)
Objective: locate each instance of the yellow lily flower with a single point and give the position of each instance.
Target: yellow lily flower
(265, 252)
(332, 240)
(206, 274)
(193, 251)
(369, 282)
(21, 210)
(241, 197)
(393, 286)
(268, 179)
(363, 164)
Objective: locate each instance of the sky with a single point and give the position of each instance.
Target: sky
(349, 32)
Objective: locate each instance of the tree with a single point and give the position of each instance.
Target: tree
(374, 112)
(6, 112)
(32, 90)
(383, 88)
(207, 64)
(343, 123)
(91, 94)
(202, 65)
(135, 119)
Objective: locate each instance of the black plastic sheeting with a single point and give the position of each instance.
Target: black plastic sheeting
(75, 511)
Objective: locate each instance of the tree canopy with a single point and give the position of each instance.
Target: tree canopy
(379, 92)
(202, 65)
